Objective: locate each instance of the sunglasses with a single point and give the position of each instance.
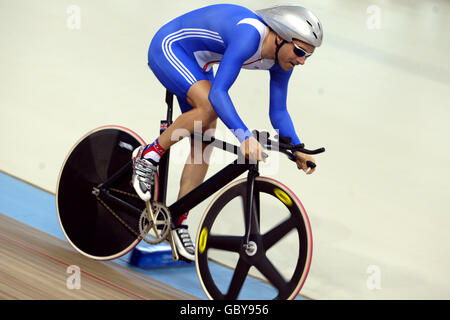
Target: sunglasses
(300, 52)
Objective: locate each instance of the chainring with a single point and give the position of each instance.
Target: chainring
(155, 227)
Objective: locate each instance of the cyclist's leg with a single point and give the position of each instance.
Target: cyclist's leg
(196, 167)
(201, 113)
(197, 162)
(194, 171)
(180, 73)
(191, 85)
(171, 65)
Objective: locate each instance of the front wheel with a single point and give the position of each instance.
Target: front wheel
(278, 263)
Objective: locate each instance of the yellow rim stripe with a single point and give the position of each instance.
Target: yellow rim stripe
(202, 240)
(283, 197)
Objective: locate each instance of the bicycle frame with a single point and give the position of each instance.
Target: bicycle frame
(204, 190)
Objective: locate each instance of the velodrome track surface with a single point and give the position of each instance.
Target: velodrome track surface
(35, 257)
(34, 266)
(34, 263)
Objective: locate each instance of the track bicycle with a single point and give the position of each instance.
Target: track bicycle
(103, 218)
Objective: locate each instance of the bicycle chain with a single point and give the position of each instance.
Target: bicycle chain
(119, 218)
(125, 193)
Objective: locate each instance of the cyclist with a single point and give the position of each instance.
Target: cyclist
(181, 55)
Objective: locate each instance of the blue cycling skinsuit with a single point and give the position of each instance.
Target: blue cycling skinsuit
(183, 51)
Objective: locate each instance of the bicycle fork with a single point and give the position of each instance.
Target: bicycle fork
(252, 212)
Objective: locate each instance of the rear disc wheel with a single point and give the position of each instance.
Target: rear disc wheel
(87, 222)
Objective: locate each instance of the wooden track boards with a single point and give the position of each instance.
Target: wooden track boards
(33, 265)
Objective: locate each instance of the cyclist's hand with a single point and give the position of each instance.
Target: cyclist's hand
(301, 159)
(252, 149)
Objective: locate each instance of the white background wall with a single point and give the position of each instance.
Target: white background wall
(377, 99)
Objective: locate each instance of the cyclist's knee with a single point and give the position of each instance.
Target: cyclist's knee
(207, 115)
(198, 98)
(198, 93)
(212, 125)
(210, 117)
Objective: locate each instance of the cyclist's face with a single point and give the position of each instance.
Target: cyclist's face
(287, 57)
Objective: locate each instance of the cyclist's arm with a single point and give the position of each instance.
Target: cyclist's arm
(279, 116)
(242, 46)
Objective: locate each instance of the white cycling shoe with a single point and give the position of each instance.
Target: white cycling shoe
(143, 174)
(183, 242)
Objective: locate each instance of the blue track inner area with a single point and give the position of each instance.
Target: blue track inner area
(37, 208)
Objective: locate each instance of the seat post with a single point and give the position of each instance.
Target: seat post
(169, 101)
(163, 169)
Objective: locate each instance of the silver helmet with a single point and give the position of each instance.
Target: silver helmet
(293, 22)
